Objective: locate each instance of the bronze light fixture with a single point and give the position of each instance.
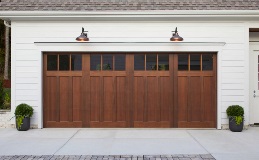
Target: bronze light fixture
(175, 36)
(83, 36)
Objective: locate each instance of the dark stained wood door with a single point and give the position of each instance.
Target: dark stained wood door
(63, 100)
(152, 91)
(129, 90)
(196, 92)
(108, 90)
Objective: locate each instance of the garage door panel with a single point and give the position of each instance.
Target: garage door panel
(194, 109)
(152, 98)
(108, 99)
(77, 98)
(121, 98)
(209, 109)
(165, 96)
(139, 98)
(51, 99)
(64, 101)
(182, 98)
(95, 87)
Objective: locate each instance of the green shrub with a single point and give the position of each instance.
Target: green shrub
(7, 101)
(237, 112)
(1, 95)
(22, 110)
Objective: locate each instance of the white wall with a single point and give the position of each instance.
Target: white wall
(233, 79)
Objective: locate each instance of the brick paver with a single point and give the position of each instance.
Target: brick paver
(110, 157)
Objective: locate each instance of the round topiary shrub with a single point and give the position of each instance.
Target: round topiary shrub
(22, 111)
(236, 112)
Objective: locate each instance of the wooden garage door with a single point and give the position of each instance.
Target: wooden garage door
(130, 90)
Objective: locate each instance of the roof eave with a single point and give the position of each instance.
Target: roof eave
(16, 15)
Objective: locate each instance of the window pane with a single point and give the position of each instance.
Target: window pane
(95, 62)
(76, 62)
(120, 62)
(139, 62)
(107, 62)
(151, 62)
(195, 62)
(163, 62)
(63, 62)
(183, 62)
(207, 62)
(52, 64)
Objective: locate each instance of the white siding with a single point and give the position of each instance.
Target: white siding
(27, 60)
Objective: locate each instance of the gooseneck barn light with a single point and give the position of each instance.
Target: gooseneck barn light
(83, 36)
(175, 36)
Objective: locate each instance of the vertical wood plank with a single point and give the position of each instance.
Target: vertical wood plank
(70, 99)
(86, 109)
(130, 86)
(174, 87)
(58, 99)
(114, 107)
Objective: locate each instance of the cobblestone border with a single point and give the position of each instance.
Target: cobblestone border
(111, 157)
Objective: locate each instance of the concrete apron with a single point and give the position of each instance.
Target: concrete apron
(222, 144)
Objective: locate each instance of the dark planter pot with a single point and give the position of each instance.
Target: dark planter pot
(234, 127)
(25, 124)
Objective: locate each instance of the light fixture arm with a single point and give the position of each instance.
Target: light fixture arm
(175, 31)
(83, 31)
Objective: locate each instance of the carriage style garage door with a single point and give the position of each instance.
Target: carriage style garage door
(130, 90)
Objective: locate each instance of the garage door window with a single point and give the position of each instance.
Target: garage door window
(107, 62)
(151, 62)
(52, 64)
(195, 62)
(64, 62)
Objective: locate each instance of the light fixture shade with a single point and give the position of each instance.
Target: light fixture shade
(83, 36)
(175, 36)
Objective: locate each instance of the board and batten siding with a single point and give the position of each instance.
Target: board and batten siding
(27, 61)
